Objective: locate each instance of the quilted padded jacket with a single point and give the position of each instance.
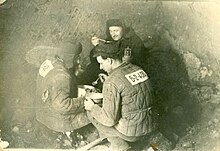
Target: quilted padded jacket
(55, 108)
(127, 101)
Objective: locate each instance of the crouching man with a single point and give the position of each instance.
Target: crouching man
(125, 115)
(57, 105)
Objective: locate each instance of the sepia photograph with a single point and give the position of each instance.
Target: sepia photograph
(110, 75)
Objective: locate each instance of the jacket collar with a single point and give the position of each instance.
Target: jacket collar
(118, 68)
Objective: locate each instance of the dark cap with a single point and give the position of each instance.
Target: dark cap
(107, 50)
(114, 22)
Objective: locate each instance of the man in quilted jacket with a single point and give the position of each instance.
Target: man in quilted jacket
(57, 105)
(125, 115)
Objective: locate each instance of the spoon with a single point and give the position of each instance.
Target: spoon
(105, 41)
(96, 81)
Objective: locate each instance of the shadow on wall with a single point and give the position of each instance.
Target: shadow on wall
(2, 106)
(167, 71)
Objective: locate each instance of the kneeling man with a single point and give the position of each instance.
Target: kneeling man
(125, 114)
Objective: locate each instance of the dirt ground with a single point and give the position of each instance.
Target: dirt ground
(27, 133)
(193, 36)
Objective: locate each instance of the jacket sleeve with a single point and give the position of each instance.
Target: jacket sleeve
(108, 114)
(60, 96)
(138, 51)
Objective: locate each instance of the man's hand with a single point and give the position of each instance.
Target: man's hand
(103, 77)
(88, 104)
(127, 59)
(78, 72)
(95, 41)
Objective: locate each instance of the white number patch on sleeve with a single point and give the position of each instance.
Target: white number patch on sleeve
(137, 77)
(45, 68)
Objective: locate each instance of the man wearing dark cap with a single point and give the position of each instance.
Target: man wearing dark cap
(125, 114)
(131, 46)
(57, 106)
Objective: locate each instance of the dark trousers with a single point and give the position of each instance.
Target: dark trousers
(118, 140)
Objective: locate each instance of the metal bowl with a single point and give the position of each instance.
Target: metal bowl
(83, 89)
(96, 97)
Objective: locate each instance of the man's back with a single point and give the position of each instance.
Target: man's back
(55, 108)
(131, 84)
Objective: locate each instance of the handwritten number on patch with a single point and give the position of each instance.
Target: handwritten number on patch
(45, 68)
(136, 77)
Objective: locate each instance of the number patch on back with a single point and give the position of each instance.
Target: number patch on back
(137, 77)
(45, 68)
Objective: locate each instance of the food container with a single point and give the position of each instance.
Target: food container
(83, 89)
(96, 97)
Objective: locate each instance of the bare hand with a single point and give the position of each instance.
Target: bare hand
(127, 59)
(95, 41)
(103, 77)
(88, 104)
(79, 72)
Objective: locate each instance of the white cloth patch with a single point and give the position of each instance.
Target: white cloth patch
(45, 68)
(136, 77)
